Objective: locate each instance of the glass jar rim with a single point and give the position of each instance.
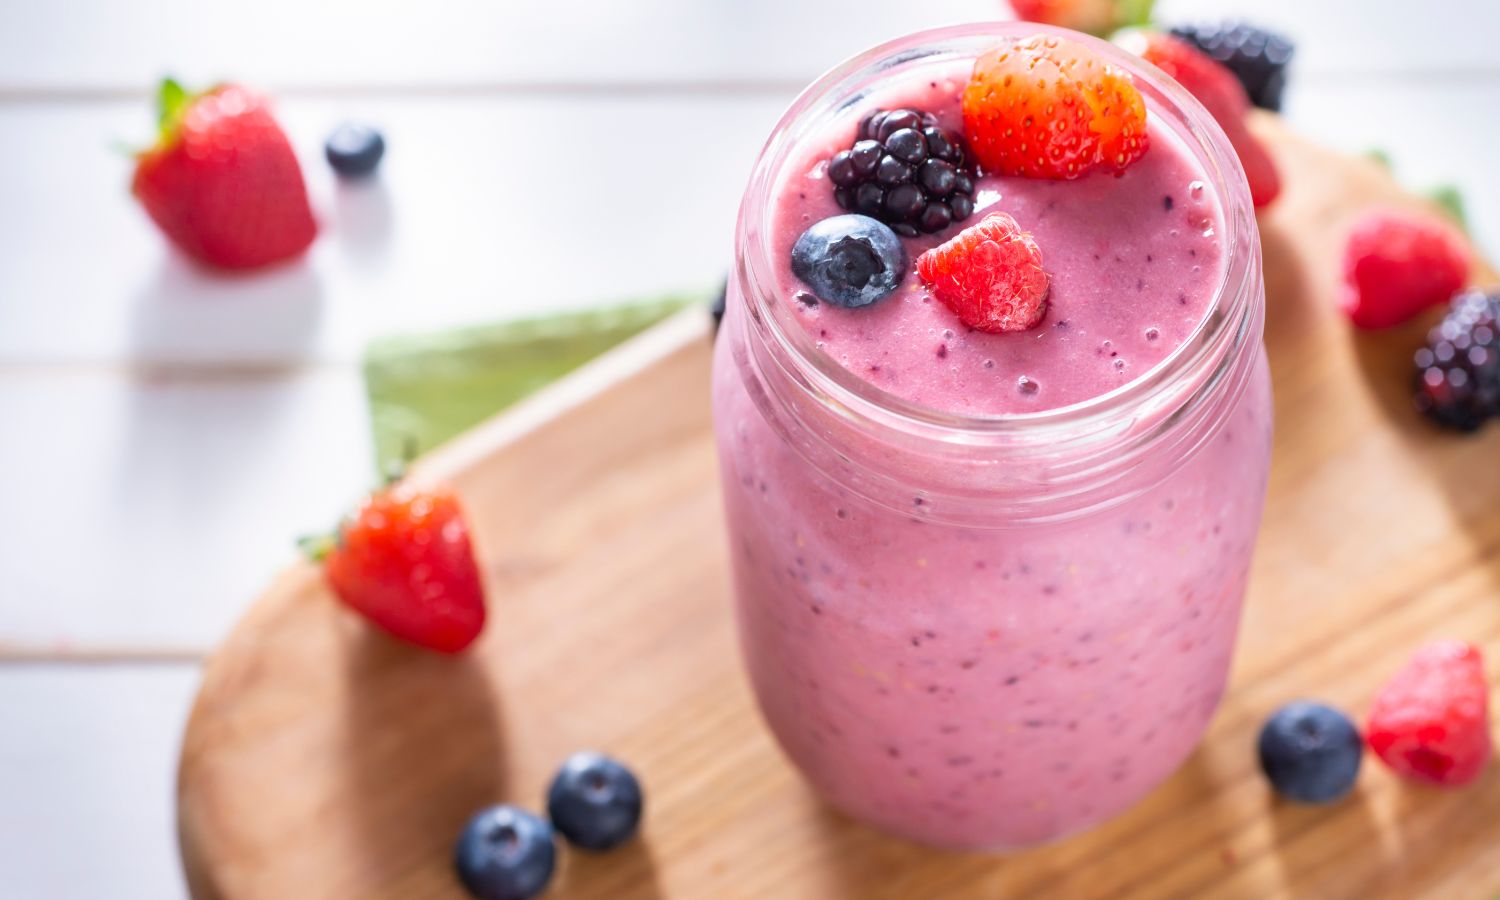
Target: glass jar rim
(1224, 327)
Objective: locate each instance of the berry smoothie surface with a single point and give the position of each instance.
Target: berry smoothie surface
(1001, 686)
(1134, 262)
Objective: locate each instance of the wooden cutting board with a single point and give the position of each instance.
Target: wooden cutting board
(323, 760)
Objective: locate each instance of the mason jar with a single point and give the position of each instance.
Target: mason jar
(988, 631)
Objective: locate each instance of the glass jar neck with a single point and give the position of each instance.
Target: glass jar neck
(1011, 468)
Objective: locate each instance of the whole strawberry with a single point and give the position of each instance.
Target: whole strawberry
(404, 561)
(1431, 721)
(1221, 94)
(222, 181)
(1098, 17)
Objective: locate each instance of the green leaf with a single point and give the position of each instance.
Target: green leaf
(1379, 155)
(1451, 200)
(172, 100)
(424, 389)
(1134, 13)
(316, 547)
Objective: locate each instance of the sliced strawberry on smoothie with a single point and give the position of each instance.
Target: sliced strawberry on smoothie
(222, 182)
(1047, 107)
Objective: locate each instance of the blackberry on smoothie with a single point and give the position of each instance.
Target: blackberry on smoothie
(993, 420)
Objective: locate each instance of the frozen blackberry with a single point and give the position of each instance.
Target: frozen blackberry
(905, 170)
(1458, 372)
(1258, 58)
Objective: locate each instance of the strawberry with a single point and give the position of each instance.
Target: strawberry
(1047, 107)
(222, 182)
(1094, 16)
(1399, 264)
(405, 563)
(1222, 95)
(990, 275)
(1431, 721)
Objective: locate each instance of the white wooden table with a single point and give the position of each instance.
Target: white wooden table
(164, 434)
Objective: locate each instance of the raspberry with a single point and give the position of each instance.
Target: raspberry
(1222, 95)
(1045, 107)
(990, 275)
(1258, 58)
(1398, 264)
(1458, 372)
(1431, 721)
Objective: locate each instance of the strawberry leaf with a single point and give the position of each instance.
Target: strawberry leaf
(1451, 200)
(1134, 13)
(172, 101)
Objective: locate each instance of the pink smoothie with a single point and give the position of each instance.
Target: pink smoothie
(996, 687)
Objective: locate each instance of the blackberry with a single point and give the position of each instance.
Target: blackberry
(905, 170)
(1258, 58)
(1458, 372)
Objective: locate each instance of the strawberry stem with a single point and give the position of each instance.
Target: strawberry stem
(395, 471)
(172, 100)
(316, 547)
(1134, 13)
(1451, 200)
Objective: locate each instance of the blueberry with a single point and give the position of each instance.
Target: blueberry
(1310, 752)
(505, 853)
(850, 261)
(594, 801)
(354, 150)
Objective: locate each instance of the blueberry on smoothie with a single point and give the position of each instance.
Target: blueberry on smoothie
(505, 853)
(1310, 752)
(595, 802)
(849, 261)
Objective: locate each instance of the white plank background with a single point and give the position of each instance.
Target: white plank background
(167, 434)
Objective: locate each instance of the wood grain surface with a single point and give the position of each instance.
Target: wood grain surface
(325, 761)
